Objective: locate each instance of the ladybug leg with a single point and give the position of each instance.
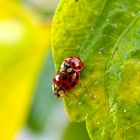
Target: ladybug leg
(74, 96)
(79, 83)
(66, 95)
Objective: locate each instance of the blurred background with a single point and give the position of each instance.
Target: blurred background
(28, 108)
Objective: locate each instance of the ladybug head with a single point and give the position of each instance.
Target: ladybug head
(57, 90)
(66, 67)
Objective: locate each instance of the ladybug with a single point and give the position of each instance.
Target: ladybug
(73, 63)
(64, 81)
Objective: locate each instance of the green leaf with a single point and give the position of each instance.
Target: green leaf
(75, 131)
(106, 36)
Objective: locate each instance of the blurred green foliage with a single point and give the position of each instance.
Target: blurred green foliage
(43, 99)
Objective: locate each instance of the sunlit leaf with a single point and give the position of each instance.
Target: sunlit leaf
(106, 36)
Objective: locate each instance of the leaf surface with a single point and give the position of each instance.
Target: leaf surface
(106, 36)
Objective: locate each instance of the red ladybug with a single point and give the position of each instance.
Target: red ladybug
(64, 81)
(72, 63)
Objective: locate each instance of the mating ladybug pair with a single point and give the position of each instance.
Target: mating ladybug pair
(68, 76)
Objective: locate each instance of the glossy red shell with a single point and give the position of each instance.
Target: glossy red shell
(75, 63)
(66, 81)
